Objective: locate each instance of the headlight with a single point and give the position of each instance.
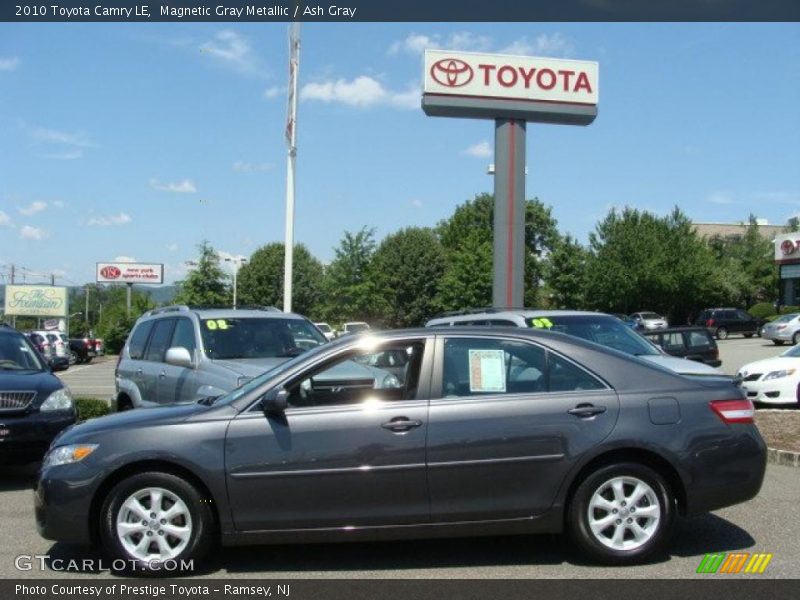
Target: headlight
(64, 455)
(58, 400)
(778, 374)
(390, 381)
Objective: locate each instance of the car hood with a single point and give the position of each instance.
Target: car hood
(251, 367)
(140, 417)
(777, 363)
(682, 365)
(42, 382)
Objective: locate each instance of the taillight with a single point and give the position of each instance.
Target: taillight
(734, 411)
(710, 323)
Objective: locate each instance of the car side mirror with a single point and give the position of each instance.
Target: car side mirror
(179, 356)
(275, 402)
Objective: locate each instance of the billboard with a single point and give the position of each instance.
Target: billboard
(787, 248)
(549, 90)
(130, 273)
(36, 301)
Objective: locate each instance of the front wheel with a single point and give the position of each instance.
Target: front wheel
(155, 517)
(778, 342)
(73, 358)
(748, 335)
(622, 514)
(722, 333)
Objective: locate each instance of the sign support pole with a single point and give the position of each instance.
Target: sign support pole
(509, 213)
(128, 300)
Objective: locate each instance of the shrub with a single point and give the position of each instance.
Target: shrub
(785, 310)
(762, 310)
(89, 408)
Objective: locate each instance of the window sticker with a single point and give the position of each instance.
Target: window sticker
(487, 371)
(214, 324)
(543, 323)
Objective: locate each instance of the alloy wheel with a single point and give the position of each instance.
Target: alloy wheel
(154, 524)
(624, 513)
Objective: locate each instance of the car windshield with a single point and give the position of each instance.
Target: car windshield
(17, 354)
(601, 329)
(356, 327)
(650, 315)
(253, 337)
(267, 375)
(324, 327)
(792, 352)
(785, 318)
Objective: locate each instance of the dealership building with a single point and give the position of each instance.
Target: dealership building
(787, 257)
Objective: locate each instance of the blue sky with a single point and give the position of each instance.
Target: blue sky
(141, 140)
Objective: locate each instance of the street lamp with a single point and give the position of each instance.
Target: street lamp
(237, 264)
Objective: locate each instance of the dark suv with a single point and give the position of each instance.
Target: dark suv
(35, 405)
(724, 321)
(694, 343)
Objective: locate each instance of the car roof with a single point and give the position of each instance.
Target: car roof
(221, 313)
(518, 313)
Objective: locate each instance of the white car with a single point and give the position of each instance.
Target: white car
(326, 330)
(773, 380)
(649, 321)
(785, 328)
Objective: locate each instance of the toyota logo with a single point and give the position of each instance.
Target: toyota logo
(787, 246)
(451, 72)
(110, 272)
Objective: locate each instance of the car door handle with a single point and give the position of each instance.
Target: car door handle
(162, 374)
(139, 371)
(587, 410)
(401, 424)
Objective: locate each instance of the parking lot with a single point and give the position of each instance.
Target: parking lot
(764, 525)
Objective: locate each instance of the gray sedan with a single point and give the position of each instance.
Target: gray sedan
(785, 328)
(489, 431)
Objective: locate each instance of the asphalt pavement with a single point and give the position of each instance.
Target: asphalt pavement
(95, 380)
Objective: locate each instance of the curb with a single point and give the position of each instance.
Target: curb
(783, 457)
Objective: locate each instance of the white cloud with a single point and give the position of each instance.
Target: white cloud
(32, 208)
(120, 219)
(4, 218)
(125, 259)
(480, 150)
(71, 155)
(182, 187)
(233, 51)
(416, 203)
(555, 44)
(361, 92)
(275, 91)
(719, 198)
(241, 166)
(32, 233)
(54, 136)
(172, 247)
(9, 64)
(416, 43)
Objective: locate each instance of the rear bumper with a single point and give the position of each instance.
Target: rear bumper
(26, 438)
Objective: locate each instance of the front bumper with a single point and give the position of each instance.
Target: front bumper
(774, 391)
(25, 438)
(62, 500)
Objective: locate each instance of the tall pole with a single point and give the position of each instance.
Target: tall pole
(14, 317)
(128, 300)
(86, 307)
(509, 214)
(235, 273)
(291, 140)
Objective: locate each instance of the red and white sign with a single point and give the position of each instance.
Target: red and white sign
(511, 77)
(130, 273)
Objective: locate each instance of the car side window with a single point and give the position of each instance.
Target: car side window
(139, 339)
(698, 339)
(672, 341)
(159, 340)
(478, 366)
(183, 337)
(387, 374)
(742, 315)
(565, 376)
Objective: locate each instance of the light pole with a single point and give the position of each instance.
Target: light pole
(237, 264)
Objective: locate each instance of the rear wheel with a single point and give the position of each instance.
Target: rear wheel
(748, 335)
(722, 333)
(73, 357)
(778, 342)
(154, 517)
(622, 514)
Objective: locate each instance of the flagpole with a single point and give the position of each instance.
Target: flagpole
(291, 140)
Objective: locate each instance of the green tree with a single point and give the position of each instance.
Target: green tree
(206, 284)
(260, 281)
(349, 291)
(467, 237)
(566, 274)
(405, 270)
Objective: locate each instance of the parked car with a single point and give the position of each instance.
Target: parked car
(354, 327)
(58, 342)
(179, 354)
(785, 328)
(35, 405)
(647, 321)
(41, 343)
(694, 343)
(326, 330)
(596, 327)
(773, 380)
(82, 350)
(724, 321)
(492, 431)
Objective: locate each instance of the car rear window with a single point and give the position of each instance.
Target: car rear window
(698, 339)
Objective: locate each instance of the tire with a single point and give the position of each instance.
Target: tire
(778, 342)
(73, 358)
(721, 333)
(87, 360)
(192, 523)
(796, 338)
(655, 518)
(748, 335)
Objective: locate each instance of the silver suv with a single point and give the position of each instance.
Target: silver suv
(600, 328)
(179, 354)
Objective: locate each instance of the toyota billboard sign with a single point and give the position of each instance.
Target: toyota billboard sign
(469, 84)
(130, 273)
